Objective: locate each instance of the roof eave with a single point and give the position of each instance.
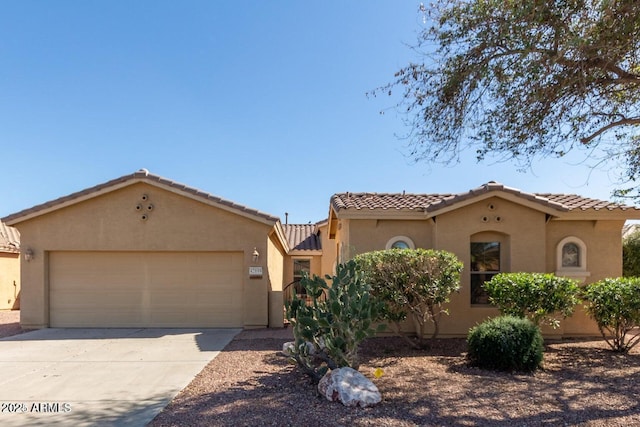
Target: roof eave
(61, 203)
(379, 213)
(132, 179)
(280, 234)
(303, 252)
(599, 214)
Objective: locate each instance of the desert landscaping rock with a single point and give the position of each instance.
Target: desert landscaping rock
(350, 387)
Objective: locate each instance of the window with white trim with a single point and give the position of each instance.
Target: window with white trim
(400, 242)
(571, 258)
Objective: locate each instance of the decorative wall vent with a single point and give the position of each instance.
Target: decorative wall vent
(145, 207)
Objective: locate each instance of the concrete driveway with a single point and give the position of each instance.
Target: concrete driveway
(103, 377)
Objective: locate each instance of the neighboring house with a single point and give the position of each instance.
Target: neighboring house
(9, 268)
(142, 250)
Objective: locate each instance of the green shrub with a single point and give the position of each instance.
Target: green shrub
(615, 306)
(539, 296)
(334, 326)
(412, 282)
(506, 343)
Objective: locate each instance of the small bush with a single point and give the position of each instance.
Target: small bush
(412, 282)
(540, 297)
(615, 306)
(506, 343)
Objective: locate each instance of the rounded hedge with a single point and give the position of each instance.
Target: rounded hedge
(506, 343)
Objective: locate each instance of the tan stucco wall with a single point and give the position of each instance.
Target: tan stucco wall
(367, 235)
(329, 252)
(9, 281)
(604, 245)
(528, 244)
(315, 266)
(603, 240)
(521, 232)
(111, 222)
(275, 263)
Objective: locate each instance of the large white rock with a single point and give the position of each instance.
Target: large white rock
(350, 387)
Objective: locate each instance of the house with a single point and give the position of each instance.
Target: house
(141, 251)
(144, 251)
(491, 229)
(9, 268)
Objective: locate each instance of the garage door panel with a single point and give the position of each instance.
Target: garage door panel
(165, 289)
(97, 318)
(122, 300)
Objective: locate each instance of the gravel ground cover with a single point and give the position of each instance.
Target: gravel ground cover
(10, 323)
(251, 384)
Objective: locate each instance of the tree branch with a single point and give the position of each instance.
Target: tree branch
(621, 122)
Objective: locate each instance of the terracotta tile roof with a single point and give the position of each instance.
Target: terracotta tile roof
(141, 175)
(9, 239)
(372, 201)
(302, 237)
(434, 202)
(573, 201)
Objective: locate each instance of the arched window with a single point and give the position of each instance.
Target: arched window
(571, 258)
(400, 242)
(570, 255)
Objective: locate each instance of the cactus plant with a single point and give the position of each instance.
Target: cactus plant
(336, 325)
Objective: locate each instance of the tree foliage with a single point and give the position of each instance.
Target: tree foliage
(538, 296)
(329, 331)
(615, 306)
(517, 79)
(631, 255)
(412, 282)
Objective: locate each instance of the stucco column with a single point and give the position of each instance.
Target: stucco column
(34, 296)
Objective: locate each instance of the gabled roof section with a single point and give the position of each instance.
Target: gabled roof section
(142, 175)
(427, 205)
(9, 239)
(492, 188)
(302, 237)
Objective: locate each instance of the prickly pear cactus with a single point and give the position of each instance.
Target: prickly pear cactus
(336, 324)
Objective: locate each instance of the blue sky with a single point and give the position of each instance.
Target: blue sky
(263, 103)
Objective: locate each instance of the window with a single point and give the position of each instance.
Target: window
(485, 263)
(400, 242)
(301, 267)
(571, 258)
(570, 255)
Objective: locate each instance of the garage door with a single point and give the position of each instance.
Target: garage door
(145, 289)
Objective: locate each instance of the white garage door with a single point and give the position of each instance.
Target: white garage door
(145, 289)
